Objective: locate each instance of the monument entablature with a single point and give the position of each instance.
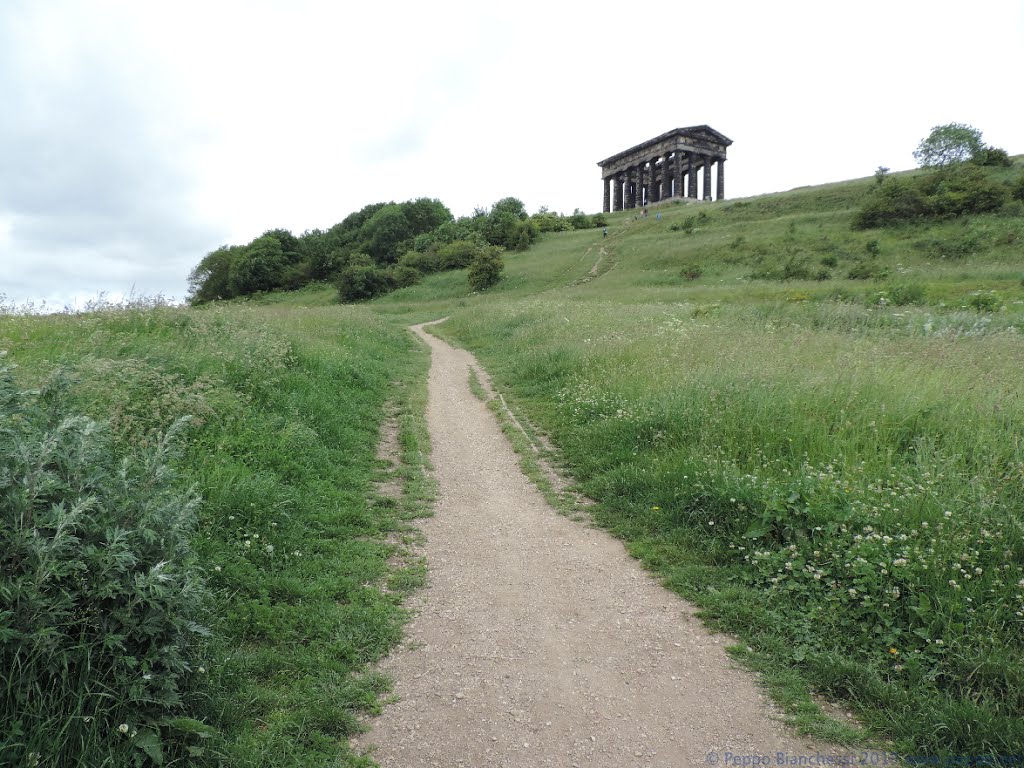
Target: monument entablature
(655, 169)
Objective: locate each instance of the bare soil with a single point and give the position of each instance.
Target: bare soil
(539, 641)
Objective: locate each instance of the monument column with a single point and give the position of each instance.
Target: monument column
(630, 187)
(640, 202)
(691, 180)
(721, 178)
(606, 207)
(677, 174)
(707, 177)
(617, 192)
(666, 178)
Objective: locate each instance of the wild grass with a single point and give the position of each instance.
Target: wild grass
(290, 537)
(830, 466)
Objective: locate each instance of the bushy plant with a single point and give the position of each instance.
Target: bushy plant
(1018, 189)
(458, 254)
(993, 156)
(947, 192)
(98, 592)
(401, 276)
(362, 279)
(486, 269)
(422, 262)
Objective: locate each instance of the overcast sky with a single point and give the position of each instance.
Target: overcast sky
(135, 137)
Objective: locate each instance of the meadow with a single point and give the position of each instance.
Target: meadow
(810, 430)
(286, 581)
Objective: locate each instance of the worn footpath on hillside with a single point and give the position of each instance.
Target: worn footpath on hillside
(539, 641)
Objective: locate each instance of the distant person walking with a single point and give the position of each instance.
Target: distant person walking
(606, 232)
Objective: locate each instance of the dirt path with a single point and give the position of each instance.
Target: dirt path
(539, 641)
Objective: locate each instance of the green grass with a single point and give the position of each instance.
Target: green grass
(810, 431)
(831, 468)
(293, 540)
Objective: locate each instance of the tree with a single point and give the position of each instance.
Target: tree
(948, 144)
(209, 281)
(486, 269)
(260, 267)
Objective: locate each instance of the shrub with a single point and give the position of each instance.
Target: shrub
(984, 301)
(953, 191)
(486, 269)
(867, 269)
(687, 225)
(993, 156)
(900, 295)
(691, 271)
(458, 254)
(401, 276)
(362, 279)
(98, 592)
(424, 263)
(1018, 189)
(894, 200)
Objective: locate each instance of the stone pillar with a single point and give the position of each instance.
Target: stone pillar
(721, 178)
(631, 187)
(617, 192)
(666, 178)
(640, 202)
(677, 174)
(607, 206)
(691, 176)
(707, 177)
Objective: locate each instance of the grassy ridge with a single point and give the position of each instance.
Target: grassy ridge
(830, 466)
(292, 539)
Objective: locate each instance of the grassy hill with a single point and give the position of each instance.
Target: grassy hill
(810, 430)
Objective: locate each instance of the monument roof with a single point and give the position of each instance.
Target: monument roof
(705, 132)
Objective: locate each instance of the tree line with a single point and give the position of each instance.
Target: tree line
(379, 248)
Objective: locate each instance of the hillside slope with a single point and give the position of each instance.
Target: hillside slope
(810, 430)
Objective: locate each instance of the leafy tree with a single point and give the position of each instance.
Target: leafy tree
(426, 214)
(948, 144)
(289, 244)
(384, 235)
(210, 280)
(486, 269)
(261, 267)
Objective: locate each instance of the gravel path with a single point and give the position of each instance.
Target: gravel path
(539, 641)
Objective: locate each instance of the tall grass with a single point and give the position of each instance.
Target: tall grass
(832, 468)
(289, 536)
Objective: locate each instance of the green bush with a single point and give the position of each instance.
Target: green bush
(486, 269)
(424, 263)
(984, 301)
(401, 276)
(458, 254)
(362, 279)
(949, 191)
(98, 592)
(992, 156)
(1018, 189)
(868, 269)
